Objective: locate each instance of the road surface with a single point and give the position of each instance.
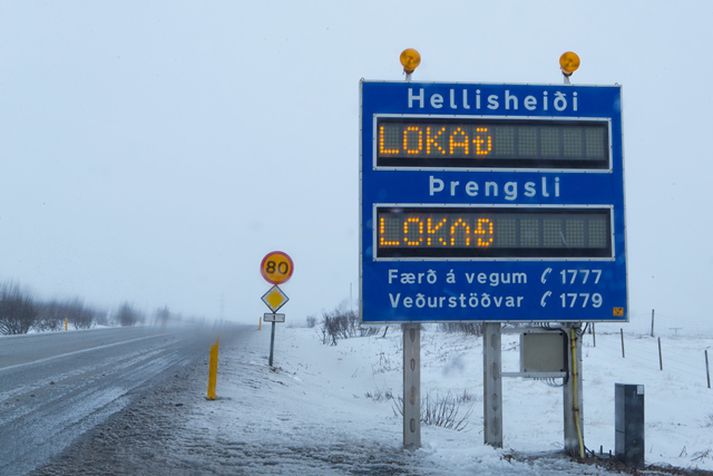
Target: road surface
(54, 387)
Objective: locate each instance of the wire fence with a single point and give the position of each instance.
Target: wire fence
(667, 353)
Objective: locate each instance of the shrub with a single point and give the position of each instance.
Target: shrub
(162, 316)
(79, 315)
(379, 395)
(18, 312)
(444, 411)
(469, 328)
(341, 324)
(51, 315)
(708, 422)
(128, 316)
(387, 363)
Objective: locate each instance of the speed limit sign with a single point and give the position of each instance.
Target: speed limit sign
(276, 267)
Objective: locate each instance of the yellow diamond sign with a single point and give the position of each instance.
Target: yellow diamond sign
(274, 298)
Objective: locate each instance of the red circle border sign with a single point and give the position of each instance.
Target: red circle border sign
(276, 276)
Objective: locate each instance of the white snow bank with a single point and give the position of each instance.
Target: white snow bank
(326, 410)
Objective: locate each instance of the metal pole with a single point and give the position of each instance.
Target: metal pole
(572, 395)
(652, 322)
(492, 385)
(411, 377)
(412, 385)
(708, 374)
(594, 336)
(272, 340)
(621, 332)
(660, 357)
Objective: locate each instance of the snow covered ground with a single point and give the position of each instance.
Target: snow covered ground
(327, 409)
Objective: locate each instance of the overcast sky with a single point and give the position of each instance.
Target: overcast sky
(154, 151)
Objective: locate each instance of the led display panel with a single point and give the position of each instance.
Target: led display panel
(491, 143)
(493, 232)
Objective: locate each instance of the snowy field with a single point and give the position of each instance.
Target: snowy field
(327, 410)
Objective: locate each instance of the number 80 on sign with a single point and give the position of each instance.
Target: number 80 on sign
(276, 267)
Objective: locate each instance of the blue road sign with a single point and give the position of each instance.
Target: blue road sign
(491, 202)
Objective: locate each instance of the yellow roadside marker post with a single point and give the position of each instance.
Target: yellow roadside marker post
(213, 370)
(66, 324)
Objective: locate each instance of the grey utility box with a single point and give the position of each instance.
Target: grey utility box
(543, 352)
(629, 440)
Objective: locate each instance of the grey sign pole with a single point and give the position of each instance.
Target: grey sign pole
(572, 393)
(412, 385)
(492, 385)
(272, 342)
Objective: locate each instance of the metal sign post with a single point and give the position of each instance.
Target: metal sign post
(492, 385)
(272, 343)
(572, 396)
(412, 385)
(272, 318)
(274, 299)
(276, 267)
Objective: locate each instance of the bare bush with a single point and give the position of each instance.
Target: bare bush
(162, 316)
(51, 315)
(79, 315)
(468, 328)
(379, 395)
(18, 312)
(444, 411)
(128, 316)
(101, 318)
(311, 321)
(708, 421)
(341, 324)
(387, 363)
(703, 454)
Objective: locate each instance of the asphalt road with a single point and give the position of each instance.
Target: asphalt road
(54, 387)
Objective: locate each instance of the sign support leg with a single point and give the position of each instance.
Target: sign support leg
(492, 385)
(572, 394)
(412, 385)
(272, 342)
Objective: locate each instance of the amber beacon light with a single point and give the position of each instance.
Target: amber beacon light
(569, 63)
(410, 59)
